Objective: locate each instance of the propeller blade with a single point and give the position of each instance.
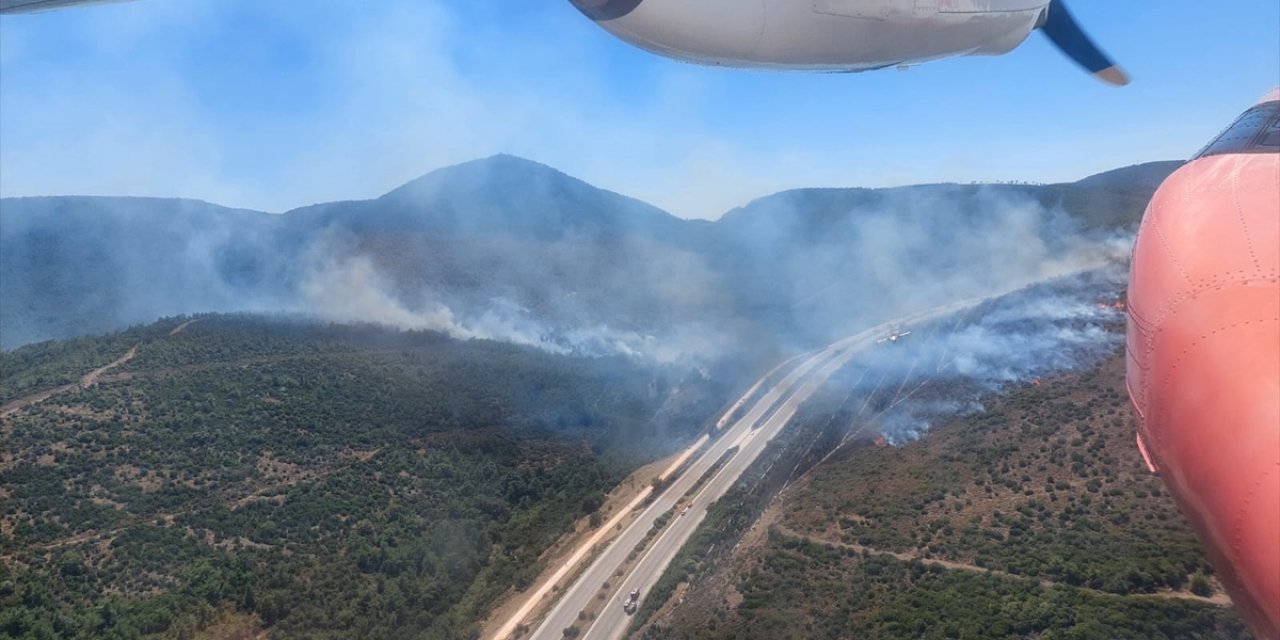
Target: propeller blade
(1062, 30)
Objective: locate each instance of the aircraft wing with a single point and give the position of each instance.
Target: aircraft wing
(32, 6)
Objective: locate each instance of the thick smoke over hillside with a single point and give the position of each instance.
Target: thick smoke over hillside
(509, 250)
(565, 297)
(907, 250)
(945, 368)
(664, 303)
(79, 265)
(789, 271)
(355, 290)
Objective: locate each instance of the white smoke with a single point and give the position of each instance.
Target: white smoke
(946, 368)
(353, 289)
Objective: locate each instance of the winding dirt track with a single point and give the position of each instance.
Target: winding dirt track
(86, 381)
(1220, 599)
(91, 378)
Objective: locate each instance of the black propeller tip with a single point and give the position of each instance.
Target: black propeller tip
(1062, 29)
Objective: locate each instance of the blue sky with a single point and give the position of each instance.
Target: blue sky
(274, 105)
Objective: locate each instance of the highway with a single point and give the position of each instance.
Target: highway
(750, 434)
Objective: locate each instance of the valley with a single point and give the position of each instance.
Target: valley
(430, 415)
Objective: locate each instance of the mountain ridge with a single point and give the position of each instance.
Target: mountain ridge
(1158, 168)
(510, 248)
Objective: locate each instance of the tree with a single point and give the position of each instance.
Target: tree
(1201, 586)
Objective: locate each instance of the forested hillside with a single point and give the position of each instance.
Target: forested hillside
(1033, 518)
(310, 480)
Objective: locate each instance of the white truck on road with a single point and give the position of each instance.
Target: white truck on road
(632, 602)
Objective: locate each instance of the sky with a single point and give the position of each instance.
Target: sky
(276, 105)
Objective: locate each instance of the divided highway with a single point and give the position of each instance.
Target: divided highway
(749, 434)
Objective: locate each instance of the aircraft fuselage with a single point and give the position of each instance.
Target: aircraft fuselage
(818, 35)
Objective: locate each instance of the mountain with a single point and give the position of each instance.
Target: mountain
(509, 249)
(1114, 199)
(506, 195)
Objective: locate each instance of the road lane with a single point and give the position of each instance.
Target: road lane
(767, 416)
(613, 621)
(578, 596)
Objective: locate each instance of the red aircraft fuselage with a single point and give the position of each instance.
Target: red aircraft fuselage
(1203, 367)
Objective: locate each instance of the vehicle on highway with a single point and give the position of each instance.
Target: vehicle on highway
(894, 336)
(632, 602)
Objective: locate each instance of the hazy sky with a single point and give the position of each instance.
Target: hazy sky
(278, 104)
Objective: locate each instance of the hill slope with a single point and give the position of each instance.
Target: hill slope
(314, 480)
(1033, 518)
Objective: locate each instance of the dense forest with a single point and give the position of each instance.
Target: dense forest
(1031, 518)
(310, 480)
